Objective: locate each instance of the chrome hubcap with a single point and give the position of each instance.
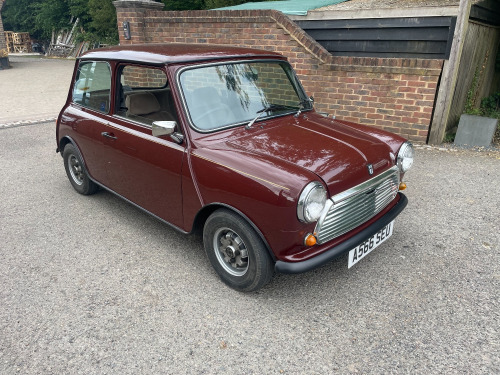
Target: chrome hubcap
(75, 169)
(231, 251)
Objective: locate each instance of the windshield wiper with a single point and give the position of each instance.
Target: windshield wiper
(302, 106)
(269, 108)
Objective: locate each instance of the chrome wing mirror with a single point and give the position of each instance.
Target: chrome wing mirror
(160, 128)
(163, 128)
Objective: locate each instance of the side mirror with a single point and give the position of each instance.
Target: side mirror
(81, 85)
(160, 128)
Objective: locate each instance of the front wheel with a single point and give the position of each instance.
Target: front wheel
(76, 172)
(236, 252)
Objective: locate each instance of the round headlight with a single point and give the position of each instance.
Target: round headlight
(406, 155)
(311, 202)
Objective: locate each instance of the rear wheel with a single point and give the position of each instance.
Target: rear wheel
(76, 171)
(236, 252)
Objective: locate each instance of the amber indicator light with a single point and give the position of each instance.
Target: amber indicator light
(402, 186)
(310, 240)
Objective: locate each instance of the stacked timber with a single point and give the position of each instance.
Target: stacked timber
(62, 44)
(18, 42)
(9, 41)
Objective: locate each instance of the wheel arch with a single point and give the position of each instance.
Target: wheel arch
(67, 140)
(205, 212)
(62, 143)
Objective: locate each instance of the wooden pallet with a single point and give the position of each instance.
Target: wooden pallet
(21, 38)
(22, 48)
(18, 42)
(9, 41)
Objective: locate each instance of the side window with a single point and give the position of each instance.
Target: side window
(143, 95)
(92, 86)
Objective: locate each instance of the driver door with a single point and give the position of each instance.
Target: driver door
(144, 169)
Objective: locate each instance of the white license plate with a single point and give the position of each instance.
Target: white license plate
(365, 248)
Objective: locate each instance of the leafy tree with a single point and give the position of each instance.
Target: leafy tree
(80, 9)
(211, 4)
(51, 15)
(184, 4)
(19, 15)
(203, 4)
(97, 18)
(102, 27)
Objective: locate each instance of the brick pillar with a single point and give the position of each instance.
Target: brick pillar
(4, 60)
(134, 12)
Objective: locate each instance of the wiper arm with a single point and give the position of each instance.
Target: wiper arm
(302, 106)
(270, 107)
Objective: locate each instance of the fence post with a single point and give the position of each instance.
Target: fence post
(449, 76)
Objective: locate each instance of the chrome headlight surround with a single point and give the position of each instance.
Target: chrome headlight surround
(405, 157)
(311, 202)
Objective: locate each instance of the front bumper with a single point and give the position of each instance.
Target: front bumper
(351, 243)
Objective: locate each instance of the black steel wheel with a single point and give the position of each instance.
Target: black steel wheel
(76, 172)
(236, 251)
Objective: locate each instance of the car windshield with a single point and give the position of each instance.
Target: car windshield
(219, 96)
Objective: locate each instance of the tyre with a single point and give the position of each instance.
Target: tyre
(236, 251)
(76, 172)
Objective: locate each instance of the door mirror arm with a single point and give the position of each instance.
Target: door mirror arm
(177, 137)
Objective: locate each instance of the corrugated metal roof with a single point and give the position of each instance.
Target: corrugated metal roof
(295, 7)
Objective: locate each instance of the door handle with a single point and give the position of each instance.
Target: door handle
(108, 135)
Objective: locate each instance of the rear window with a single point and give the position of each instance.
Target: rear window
(92, 87)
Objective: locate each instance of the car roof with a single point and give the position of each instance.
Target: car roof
(174, 53)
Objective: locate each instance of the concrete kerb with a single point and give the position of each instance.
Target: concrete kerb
(27, 122)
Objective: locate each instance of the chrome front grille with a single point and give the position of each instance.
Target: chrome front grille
(351, 208)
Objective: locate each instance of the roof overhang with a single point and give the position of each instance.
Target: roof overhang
(378, 13)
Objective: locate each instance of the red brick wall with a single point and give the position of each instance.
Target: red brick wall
(392, 94)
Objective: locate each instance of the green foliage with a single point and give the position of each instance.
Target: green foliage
(211, 4)
(203, 4)
(97, 18)
(80, 9)
(102, 26)
(449, 137)
(184, 4)
(19, 15)
(490, 106)
(51, 15)
(470, 103)
(497, 61)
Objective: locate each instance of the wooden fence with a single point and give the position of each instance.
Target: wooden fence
(407, 37)
(477, 68)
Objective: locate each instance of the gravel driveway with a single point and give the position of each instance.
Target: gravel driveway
(34, 88)
(91, 285)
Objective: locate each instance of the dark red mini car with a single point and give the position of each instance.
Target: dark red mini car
(225, 141)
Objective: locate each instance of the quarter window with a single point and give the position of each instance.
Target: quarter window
(92, 86)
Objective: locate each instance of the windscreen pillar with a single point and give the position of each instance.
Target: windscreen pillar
(131, 16)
